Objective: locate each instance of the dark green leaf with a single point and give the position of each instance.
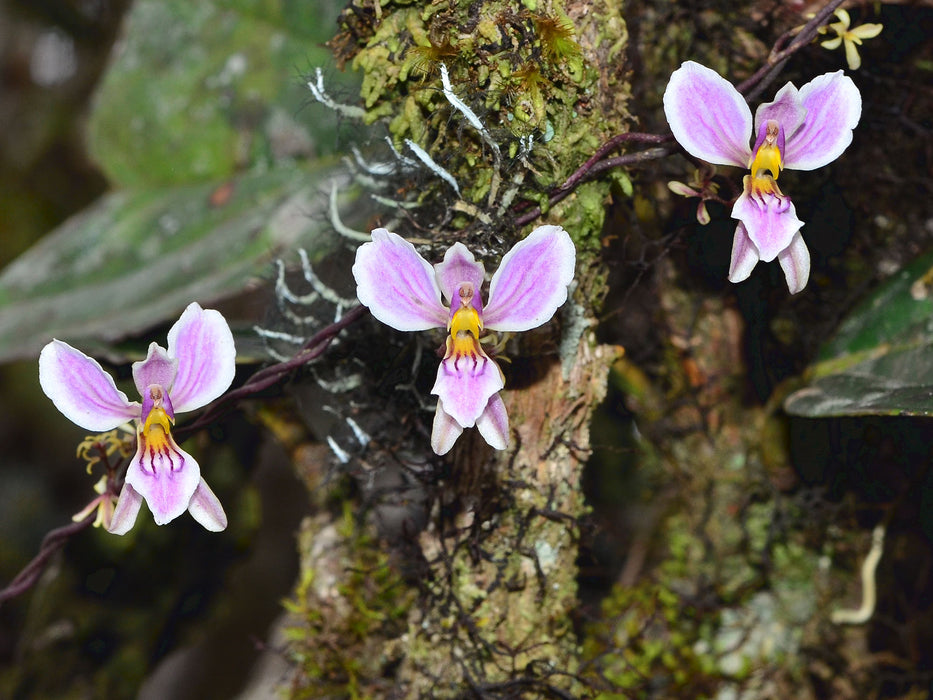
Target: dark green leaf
(881, 360)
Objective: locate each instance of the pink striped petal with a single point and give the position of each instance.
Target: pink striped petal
(465, 386)
(397, 284)
(770, 221)
(708, 116)
(493, 424)
(795, 261)
(834, 107)
(81, 389)
(164, 475)
(445, 430)
(531, 282)
(460, 266)
(202, 343)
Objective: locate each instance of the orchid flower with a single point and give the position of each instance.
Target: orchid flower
(103, 504)
(402, 290)
(800, 130)
(197, 368)
(850, 39)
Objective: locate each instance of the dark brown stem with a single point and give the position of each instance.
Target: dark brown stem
(764, 76)
(587, 172)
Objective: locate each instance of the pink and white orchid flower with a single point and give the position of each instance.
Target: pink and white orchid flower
(800, 130)
(197, 368)
(404, 291)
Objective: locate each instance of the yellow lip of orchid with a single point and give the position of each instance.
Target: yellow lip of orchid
(156, 432)
(465, 328)
(768, 158)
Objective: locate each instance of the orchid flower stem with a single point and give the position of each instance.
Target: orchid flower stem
(588, 170)
(55, 539)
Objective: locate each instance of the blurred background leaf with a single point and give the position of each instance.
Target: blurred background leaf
(213, 92)
(137, 257)
(880, 362)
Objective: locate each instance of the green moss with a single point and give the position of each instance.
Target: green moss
(530, 72)
(649, 638)
(348, 592)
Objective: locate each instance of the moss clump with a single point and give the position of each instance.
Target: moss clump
(648, 641)
(349, 606)
(549, 74)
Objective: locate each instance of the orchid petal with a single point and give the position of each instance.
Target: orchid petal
(682, 189)
(81, 389)
(852, 57)
(708, 116)
(834, 107)
(786, 109)
(493, 424)
(163, 474)
(867, 31)
(531, 281)
(795, 260)
(124, 515)
(744, 255)
(206, 509)
(465, 386)
(397, 284)
(202, 343)
(157, 368)
(459, 266)
(770, 221)
(445, 431)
